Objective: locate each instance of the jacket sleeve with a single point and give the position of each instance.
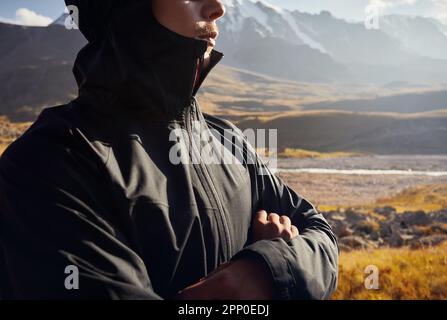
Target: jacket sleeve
(307, 266)
(54, 219)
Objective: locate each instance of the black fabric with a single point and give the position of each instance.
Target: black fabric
(92, 184)
(94, 17)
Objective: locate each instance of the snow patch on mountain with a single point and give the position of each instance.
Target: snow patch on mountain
(304, 37)
(270, 20)
(239, 10)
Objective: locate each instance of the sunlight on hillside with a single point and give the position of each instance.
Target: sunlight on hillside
(302, 154)
(403, 274)
(426, 197)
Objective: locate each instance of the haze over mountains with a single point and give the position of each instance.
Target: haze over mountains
(278, 63)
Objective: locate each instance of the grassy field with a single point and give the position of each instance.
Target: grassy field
(403, 274)
(431, 197)
(303, 154)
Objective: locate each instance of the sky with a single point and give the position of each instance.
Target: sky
(42, 12)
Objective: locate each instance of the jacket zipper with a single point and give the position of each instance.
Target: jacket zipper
(221, 217)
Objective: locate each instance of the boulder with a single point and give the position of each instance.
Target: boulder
(440, 216)
(387, 229)
(340, 228)
(385, 211)
(367, 226)
(399, 239)
(439, 228)
(353, 216)
(396, 240)
(355, 242)
(419, 218)
(428, 241)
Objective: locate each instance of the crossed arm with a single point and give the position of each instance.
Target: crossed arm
(279, 263)
(244, 278)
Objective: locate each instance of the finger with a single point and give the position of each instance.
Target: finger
(295, 232)
(261, 216)
(274, 218)
(285, 221)
(286, 234)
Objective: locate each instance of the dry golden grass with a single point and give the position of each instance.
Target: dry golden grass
(404, 274)
(303, 154)
(9, 131)
(425, 197)
(3, 147)
(422, 197)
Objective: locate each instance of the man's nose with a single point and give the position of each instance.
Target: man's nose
(213, 10)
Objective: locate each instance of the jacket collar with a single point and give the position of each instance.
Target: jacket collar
(141, 68)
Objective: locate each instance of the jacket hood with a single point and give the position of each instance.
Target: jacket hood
(132, 65)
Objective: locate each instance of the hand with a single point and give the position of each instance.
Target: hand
(244, 279)
(272, 226)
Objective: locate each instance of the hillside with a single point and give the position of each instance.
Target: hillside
(35, 69)
(380, 133)
(402, 103)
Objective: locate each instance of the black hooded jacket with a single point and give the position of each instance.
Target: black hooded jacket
(91, 183)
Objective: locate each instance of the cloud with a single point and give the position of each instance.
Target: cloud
(28, 17)
(387, 4)
(440, 10)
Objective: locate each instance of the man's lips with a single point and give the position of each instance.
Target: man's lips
(210, 38)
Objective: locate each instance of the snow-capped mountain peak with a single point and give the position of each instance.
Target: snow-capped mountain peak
(267, 20)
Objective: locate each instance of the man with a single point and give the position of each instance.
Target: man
(92, 205)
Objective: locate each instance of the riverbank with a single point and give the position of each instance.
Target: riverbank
(334, 191)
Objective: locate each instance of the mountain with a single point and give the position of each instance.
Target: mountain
(327, 49)
(401, 103)
(36, 68)
(378, 133)
(282, 50)
(442, 26)
(422, 36)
